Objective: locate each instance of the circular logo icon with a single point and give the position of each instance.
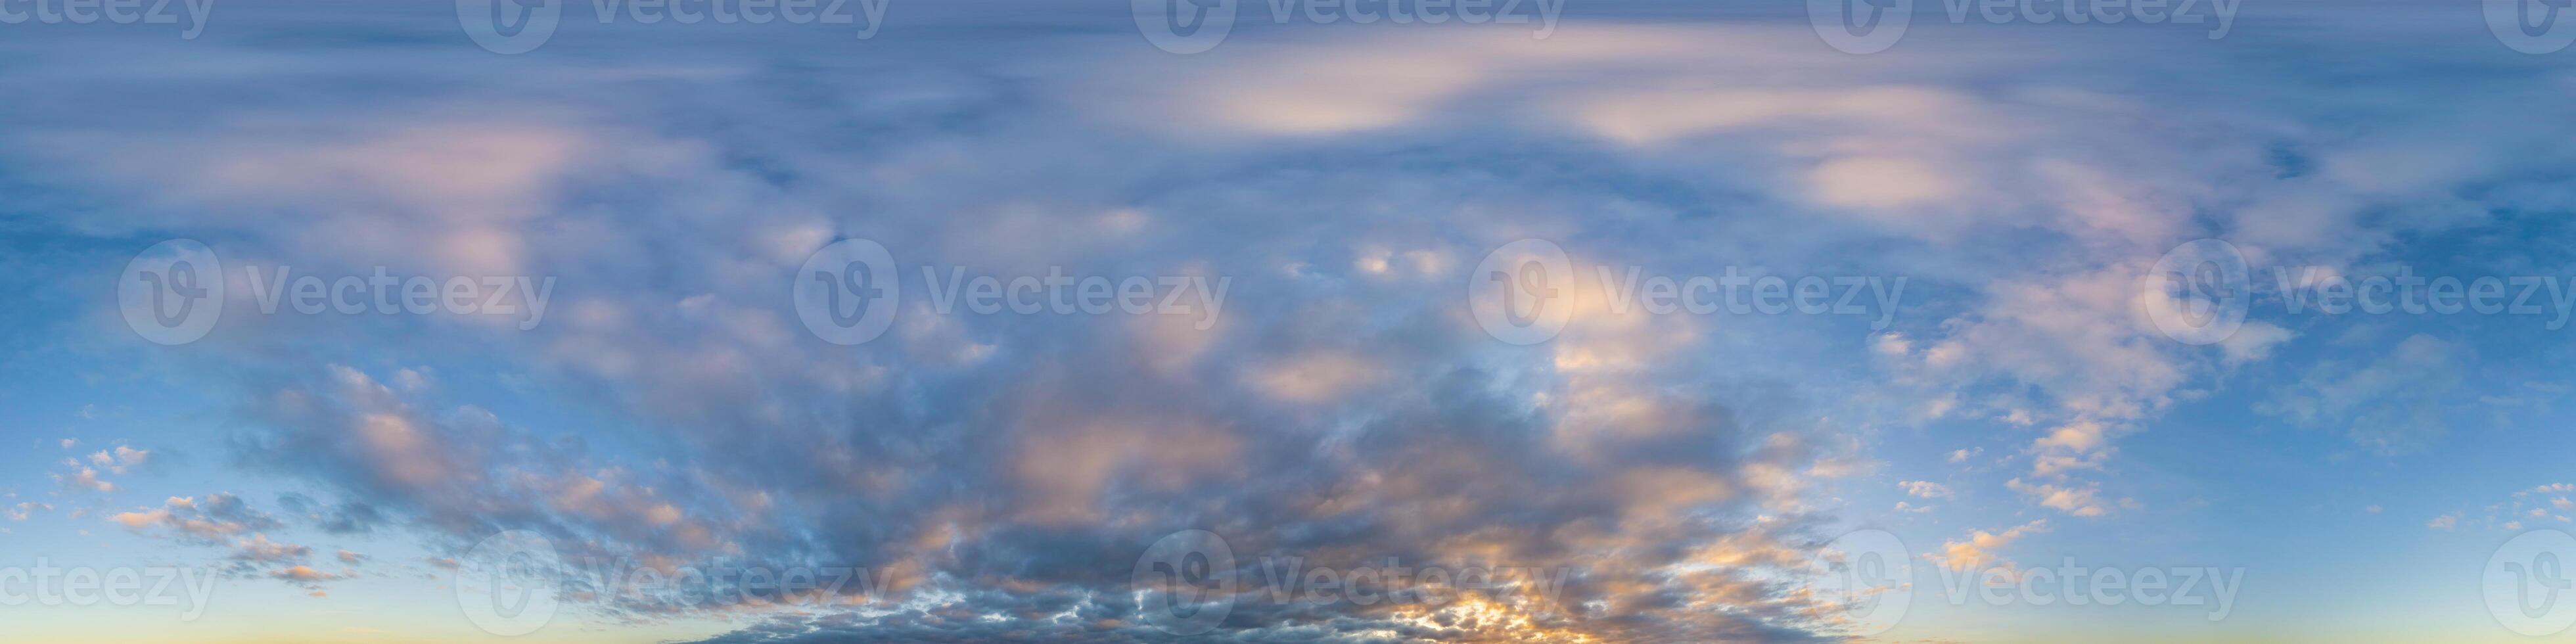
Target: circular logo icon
(509, 26)
(2532, 26)
(846, 292)
(1860, 26)
(2528, 584)
(507, 583)
(173, 292)
(1866, 578)
(1184, 26)
(2197, 293)
(1520, 292)
(1185, 582)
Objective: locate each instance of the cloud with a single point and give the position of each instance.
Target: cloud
(219, 519)
(2080, 445)
(119, 460)
(1881, 182)
(2254, 341)
(2080, 501)
(20, 511)
(304, 575)
(2393, 404)
(1978, 550)
(350, 517)
(2534, 503)
(1925, 489)
(84, 478)
(1008, 469)
(258, 548)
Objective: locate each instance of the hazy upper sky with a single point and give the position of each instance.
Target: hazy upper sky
(1113, 321)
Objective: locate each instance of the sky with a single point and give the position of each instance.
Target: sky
(1097, 321)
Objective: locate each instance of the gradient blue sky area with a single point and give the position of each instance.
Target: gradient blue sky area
(1697, 475)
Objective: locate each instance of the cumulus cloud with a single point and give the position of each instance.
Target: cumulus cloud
(20, 511)
(1925, 489)
(1007, 469)
(83, 478)
(222, 520)
(1978, 550)
(2082, 501)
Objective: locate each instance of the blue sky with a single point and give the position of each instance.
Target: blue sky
(1325, 223)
